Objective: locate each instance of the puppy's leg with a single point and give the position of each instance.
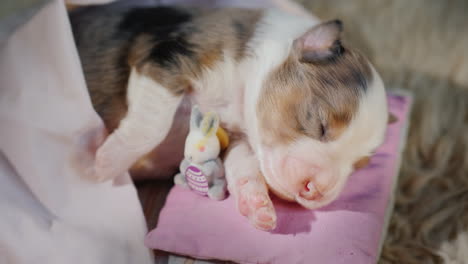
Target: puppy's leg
(151, 110)
(246, 184)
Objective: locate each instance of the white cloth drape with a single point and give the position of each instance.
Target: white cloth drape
(49, 212)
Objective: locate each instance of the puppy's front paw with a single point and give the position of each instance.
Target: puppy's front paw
(254, 202)
(103, 168)
(112, 160)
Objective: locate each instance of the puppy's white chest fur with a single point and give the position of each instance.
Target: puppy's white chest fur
(221, 89)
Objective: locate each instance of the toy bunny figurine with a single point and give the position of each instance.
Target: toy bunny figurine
(202, 169)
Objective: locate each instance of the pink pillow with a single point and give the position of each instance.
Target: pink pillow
(348, 231)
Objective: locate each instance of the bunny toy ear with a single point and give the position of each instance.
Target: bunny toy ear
(210, 124)
(195, 118)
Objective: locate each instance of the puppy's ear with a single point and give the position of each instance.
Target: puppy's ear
(320, 43)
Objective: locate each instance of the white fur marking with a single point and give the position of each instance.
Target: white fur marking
(150, 114)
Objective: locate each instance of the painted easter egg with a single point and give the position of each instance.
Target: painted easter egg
(196, 180)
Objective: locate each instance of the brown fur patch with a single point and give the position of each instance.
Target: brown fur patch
(218, 33)
(361, 163)
(317, 100)
(103, 60)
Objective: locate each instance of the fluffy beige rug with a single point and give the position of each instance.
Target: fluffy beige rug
(421, 45)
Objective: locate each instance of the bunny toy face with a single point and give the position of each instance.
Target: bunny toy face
(202, 144)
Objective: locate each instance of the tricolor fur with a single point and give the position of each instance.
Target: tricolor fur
(301, 105)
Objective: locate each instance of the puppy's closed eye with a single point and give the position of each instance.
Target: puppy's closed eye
(312, 126)
(314, 129)
(323, 131)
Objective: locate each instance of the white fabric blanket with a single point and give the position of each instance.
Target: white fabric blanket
(49, 212)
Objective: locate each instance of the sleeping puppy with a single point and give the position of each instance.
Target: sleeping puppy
(301, 107)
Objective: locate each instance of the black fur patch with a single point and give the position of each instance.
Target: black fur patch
(240, 28)
(146, 20)
(169, 28)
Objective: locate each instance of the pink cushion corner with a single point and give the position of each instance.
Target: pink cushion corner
(347, 231)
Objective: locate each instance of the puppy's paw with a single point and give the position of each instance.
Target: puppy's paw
(103, 166)
(254, 202)
(112, 160)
